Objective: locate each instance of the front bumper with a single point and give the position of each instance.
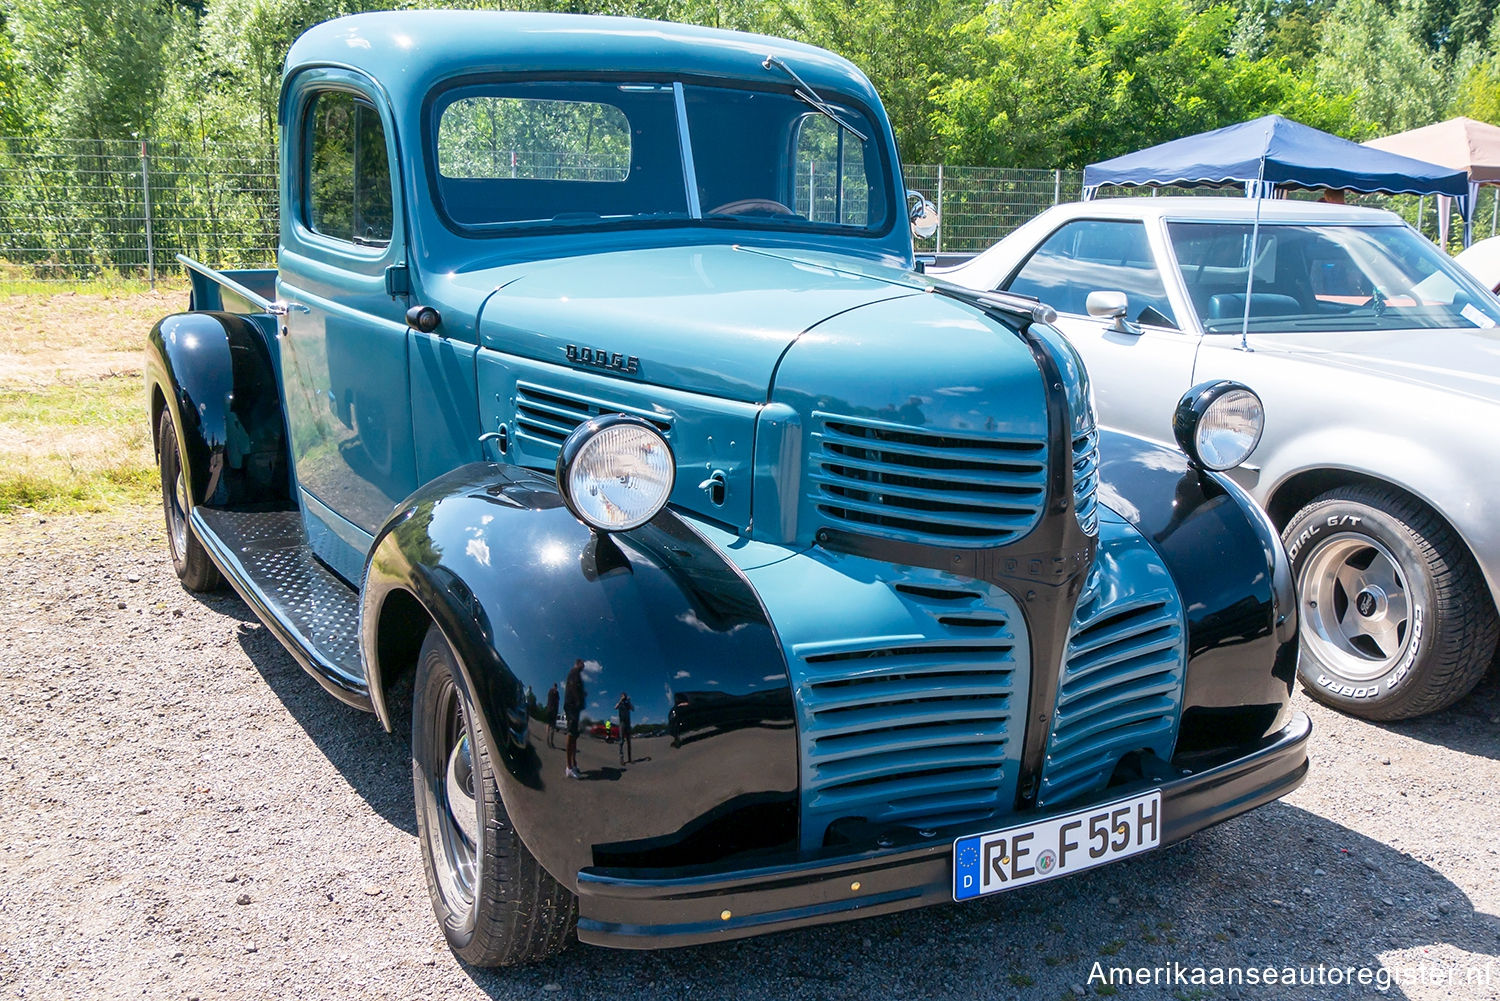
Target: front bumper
(630, 910)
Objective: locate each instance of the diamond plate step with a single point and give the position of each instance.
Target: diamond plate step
(312, 611)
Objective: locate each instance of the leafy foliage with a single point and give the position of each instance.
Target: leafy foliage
(1052, 83)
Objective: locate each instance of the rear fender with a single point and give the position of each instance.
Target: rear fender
(216, 374)
(521, 589)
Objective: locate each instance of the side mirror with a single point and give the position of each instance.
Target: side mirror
(922, 213)
(1111, 306)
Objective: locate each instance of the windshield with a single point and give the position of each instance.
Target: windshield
(1322, 277)
(553, 154)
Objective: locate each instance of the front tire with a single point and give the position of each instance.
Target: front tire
(496, 904)
(189, 559)
(1396, 619)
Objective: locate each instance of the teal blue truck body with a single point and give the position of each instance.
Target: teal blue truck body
(904, 591)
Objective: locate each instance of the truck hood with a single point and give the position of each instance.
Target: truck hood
(709, 319)
(1463, 361)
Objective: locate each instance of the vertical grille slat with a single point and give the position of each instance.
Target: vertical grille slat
(920, 728)
(1086, 479)
(1120, 687)
(917, 484)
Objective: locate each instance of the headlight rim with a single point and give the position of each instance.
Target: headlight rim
(1195, 405)
(574, 444)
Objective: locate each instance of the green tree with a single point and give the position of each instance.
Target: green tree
(904, 48)
(96, 69)
(1067, 82)
(1478, 92)
(14, 114)
(1398, 81)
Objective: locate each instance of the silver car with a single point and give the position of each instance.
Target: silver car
(1378, 362)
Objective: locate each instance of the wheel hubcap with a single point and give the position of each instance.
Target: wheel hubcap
(457, 807)
(461, 791)
(179, 512)
(1355, 605)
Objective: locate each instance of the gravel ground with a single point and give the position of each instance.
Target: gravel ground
(185, 814)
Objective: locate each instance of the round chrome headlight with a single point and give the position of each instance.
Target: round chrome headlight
(615, 472)
(1218, 424)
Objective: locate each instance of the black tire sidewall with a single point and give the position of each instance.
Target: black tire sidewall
(1315, 526)
(435, 673)
(193, 566)
(169, 455)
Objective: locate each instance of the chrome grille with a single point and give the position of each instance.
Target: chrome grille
(547, 416)
(918, 485)
(914, 729)
(1120, 688)
(1086, 479)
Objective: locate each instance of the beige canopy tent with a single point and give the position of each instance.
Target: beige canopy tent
(1460, 143)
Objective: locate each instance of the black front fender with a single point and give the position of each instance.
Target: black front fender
(1235, 583)
(521, 590)
(216, 374)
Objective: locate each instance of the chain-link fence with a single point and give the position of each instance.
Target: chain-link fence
(75, 209)
(979, 205)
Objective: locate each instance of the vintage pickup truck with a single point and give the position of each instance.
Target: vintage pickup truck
(595, 358)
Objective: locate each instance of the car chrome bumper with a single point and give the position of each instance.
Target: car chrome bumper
(630, 910)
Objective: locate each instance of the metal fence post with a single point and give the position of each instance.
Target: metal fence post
(937, 246)
(146, 193)
(1057, 187)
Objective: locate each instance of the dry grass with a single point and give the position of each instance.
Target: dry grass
(73, 425)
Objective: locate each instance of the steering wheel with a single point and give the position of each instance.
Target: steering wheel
(752, 206)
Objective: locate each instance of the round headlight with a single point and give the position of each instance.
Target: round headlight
(1218, 424)
(615, 472)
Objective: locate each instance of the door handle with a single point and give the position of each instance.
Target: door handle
(281, 308)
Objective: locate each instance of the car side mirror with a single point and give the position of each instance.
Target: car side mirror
(922, 213)
(1111, 306)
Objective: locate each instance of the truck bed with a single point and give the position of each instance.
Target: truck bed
(246, 290)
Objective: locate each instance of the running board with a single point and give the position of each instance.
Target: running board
(314, 614)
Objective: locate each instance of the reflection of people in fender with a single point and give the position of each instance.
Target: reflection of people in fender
(623, 708)
(551, 714)
(573, 696)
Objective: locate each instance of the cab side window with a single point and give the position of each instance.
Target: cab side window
(348, 176)
(1091, 255)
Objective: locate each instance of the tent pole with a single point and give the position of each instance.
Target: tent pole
(1254, 246)
(1494, 211)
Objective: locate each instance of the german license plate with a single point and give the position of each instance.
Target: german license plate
(1059, 846)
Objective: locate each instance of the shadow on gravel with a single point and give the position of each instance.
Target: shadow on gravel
(1245, 894)
(1471, 725)
(1280, 887)
(377, 764)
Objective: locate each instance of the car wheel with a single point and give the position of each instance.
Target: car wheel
(196, 571)
(1396, 618)
(496, 904)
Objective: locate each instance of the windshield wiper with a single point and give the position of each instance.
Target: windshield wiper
(811, 97)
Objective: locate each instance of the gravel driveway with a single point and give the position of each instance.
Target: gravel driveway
(184, 813)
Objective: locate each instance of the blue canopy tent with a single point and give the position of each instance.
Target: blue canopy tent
(1273, 152)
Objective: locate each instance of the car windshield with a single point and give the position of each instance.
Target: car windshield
(553, 154)
(1323, 277)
